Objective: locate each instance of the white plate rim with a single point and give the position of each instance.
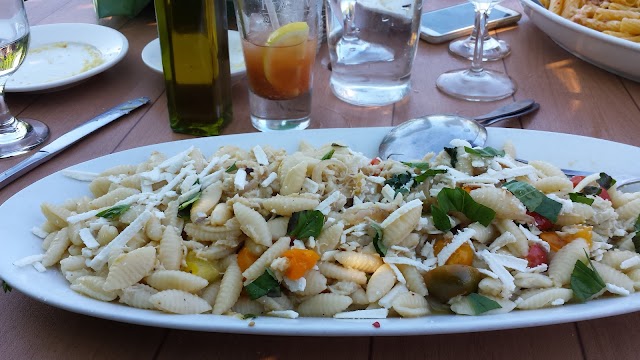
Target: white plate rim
(580, 28)
(75, 28)
(151, 54)
(52, 289)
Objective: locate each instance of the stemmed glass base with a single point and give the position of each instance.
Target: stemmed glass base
(492, 48)
(483, 85)
(21, 136)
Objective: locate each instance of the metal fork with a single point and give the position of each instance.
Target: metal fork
(625, 183)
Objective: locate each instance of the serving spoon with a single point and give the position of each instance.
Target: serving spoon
(432, 133)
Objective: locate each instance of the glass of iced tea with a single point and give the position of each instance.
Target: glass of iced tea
(279, 41)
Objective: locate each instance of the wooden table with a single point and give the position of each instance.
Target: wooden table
(576, 98)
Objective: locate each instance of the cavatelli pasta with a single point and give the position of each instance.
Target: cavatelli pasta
(346, 235)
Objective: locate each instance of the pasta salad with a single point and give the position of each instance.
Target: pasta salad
(328, 232)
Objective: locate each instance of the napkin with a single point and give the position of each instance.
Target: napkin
(130, 8)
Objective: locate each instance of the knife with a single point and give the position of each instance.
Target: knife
(66, 140)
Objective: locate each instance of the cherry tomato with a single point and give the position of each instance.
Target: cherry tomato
(375, 161)
(604, 194)
(575, 180)
(536, 256)
(541, 222)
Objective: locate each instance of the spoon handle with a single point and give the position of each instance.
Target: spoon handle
(531, 109)
(509, 109)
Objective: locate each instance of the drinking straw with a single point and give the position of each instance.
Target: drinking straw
(273, 16)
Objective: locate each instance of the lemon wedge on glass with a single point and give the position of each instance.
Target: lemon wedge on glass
(286, 59)
(290, 34)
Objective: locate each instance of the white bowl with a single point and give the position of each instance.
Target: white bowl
(608, 52)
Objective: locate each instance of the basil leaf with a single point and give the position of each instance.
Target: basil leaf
(305, 224)
(398, 181)
(482, 304)
(459, 200)
(605, 181)
(338, 145)
(417, 165)
(328, 155)
(636, 237)
(114, 211)
(231, 168)
(6, 287)
(428, 173)
(185, 207)
(453, 154)
(534, 199)
(440, 219)
(580, 198)
(585, 282)
(378, 243)
(265, 284)
(591, 190)
(485, 152)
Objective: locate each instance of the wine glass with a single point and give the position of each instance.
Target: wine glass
(17, 136)
(477, 83)
(492, 49)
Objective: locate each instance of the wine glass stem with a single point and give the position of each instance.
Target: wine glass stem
(5, 116)
(480, 25)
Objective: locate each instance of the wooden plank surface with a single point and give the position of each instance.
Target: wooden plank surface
(576, 98)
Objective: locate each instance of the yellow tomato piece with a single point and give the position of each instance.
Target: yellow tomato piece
(300, 261)
(201, 267)
(246, 258)
(557, 241)
(462, 256)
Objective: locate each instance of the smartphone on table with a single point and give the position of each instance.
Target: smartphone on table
(456, 21)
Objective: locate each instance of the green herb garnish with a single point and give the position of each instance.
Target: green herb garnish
(399, 181)
(453, 154)
(114, 211)
(265, 284)
(484, 152)
(185, 207)
(304, 224)
(428, 173)
(378, 238)
(591, 190)
(417, 165)
(249, 316)
(580, 198)
(534, 199)
(482, 304)
(6, 287)
(585, 281)
(605, 181)
(328, 155)
(440, 218)
(459, 200)
(231, 168)
(636, 237)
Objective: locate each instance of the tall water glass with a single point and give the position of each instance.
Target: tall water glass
(17, 136)
(372, 45)
(279, 42)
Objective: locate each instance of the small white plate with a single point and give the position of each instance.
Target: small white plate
(153, 58)
(64, 54)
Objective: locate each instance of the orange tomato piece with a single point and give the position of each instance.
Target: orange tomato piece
(300, 261)
(557, 241)
(462, 256)
(246, 258)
